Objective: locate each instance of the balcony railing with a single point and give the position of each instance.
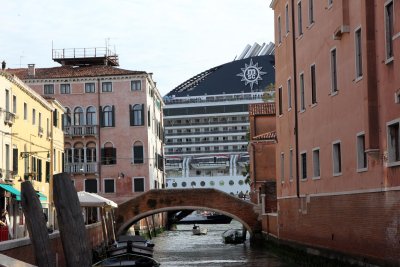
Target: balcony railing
(81, 167)
(9, 118)
(78, 130)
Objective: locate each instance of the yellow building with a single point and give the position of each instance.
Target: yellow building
(32, 148)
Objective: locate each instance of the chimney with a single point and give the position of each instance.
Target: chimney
(3, 65)
(31, 70)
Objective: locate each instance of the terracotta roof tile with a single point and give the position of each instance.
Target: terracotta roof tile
(266, 136)
(72, 72)
(262, 109)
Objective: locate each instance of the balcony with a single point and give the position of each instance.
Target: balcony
(83, 168)
(79, 130)
(9, 118)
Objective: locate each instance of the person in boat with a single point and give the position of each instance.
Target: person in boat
(195, 227)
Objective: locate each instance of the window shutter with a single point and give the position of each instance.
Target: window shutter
(113, 116)
(131, 116)
(101, 115)
(114, 155)
(103, 159)
(142, 114)
(15, 161)
(148, 118)
(55, 116)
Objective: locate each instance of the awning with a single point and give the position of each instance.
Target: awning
(87, 199)
(12, 190)
(42, 197)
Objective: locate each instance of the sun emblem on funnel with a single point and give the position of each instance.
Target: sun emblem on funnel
(251, 74)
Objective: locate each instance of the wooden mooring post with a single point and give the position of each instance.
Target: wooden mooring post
(36, 224)
(73, 234)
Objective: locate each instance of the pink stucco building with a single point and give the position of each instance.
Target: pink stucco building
(113, 123)
(338, 119)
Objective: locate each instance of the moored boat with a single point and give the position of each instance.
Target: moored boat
(128, 260)
(199, 231)
(131, 244)
(233, 236)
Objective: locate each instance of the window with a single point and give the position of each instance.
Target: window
(138, 157)
(33, 116)
(108, 116)
(310, 12)
(90, 116)
(282, 167)
(334, 87)
(106, 87)
(361, 154)
(78, 153)
(291, 164)
(67, 118)
(316, 164)
(138, 184)
(280, 100)
(299, 19)
(48, 89)
(358, 54)
(337, 159)
(303, 166)
(15, 160)
(393, 142)
(91, 152)
(109, 186)
(78, 116)
(136, 85)
(90, 88)
(287, 18)
(279, 30)
(65, 88)
(108, 154)
(14, 110)
(389, 29)
(25, 111)
(330, 2)
(91, 185)
(137, 115)
(302, 99)
(313, 85)
(289, 93)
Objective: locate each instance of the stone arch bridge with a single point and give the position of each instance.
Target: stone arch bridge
(161, 200)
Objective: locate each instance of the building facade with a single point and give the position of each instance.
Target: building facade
(30, 147)
(206, 121)
(338, 114)
(113, 123)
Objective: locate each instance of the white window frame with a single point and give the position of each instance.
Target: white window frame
(316, 163)
(337, 161)
(361, 154)
(133, 184)
(313, 83)
(65, 88)
(280, 101)
(389, 39)
(291, 164)
(302, 92)
(282, 165)
(134, 86)
(391, 162)
(289, 93)
(311, 12)
(48, 89)
(279, 29)
(299, 18)
(287, 18)
(104, 185)
(104, 85)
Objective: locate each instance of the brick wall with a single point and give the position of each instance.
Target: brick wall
(362, 225)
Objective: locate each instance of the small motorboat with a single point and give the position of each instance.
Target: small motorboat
(233, 236)
(128, 260)
(199, 231)
(131, 244)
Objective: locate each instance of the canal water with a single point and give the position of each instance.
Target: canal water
(182, 248)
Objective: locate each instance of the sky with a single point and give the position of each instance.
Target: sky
(173, 39)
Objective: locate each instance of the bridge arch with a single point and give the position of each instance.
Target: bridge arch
(161, 200)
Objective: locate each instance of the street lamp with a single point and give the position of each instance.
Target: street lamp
(25, 155)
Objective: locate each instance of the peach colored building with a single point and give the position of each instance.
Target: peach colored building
(113, 124)
(338, 120)
(262, 155)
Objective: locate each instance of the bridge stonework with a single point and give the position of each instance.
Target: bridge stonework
(161, 200)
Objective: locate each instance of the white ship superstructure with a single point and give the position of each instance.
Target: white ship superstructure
(206, 122)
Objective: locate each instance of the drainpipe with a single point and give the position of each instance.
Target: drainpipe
(296, 123)
(98, 133)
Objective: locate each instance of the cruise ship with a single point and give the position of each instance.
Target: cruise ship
(206, 122)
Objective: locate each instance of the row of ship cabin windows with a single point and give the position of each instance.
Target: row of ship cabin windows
(203, 183)
(208, 130)
(65, 88)
(91, 185)
(208, 148)
(207, 120)
(206, 139)
(388, 25)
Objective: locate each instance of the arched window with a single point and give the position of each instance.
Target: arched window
(91, 152)
(78, 153)
(78, 116)
(66, 118)
(68, 153)
(90, 116)
(137, 115)
(108, 154)
(108, 116)
(138, 154)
